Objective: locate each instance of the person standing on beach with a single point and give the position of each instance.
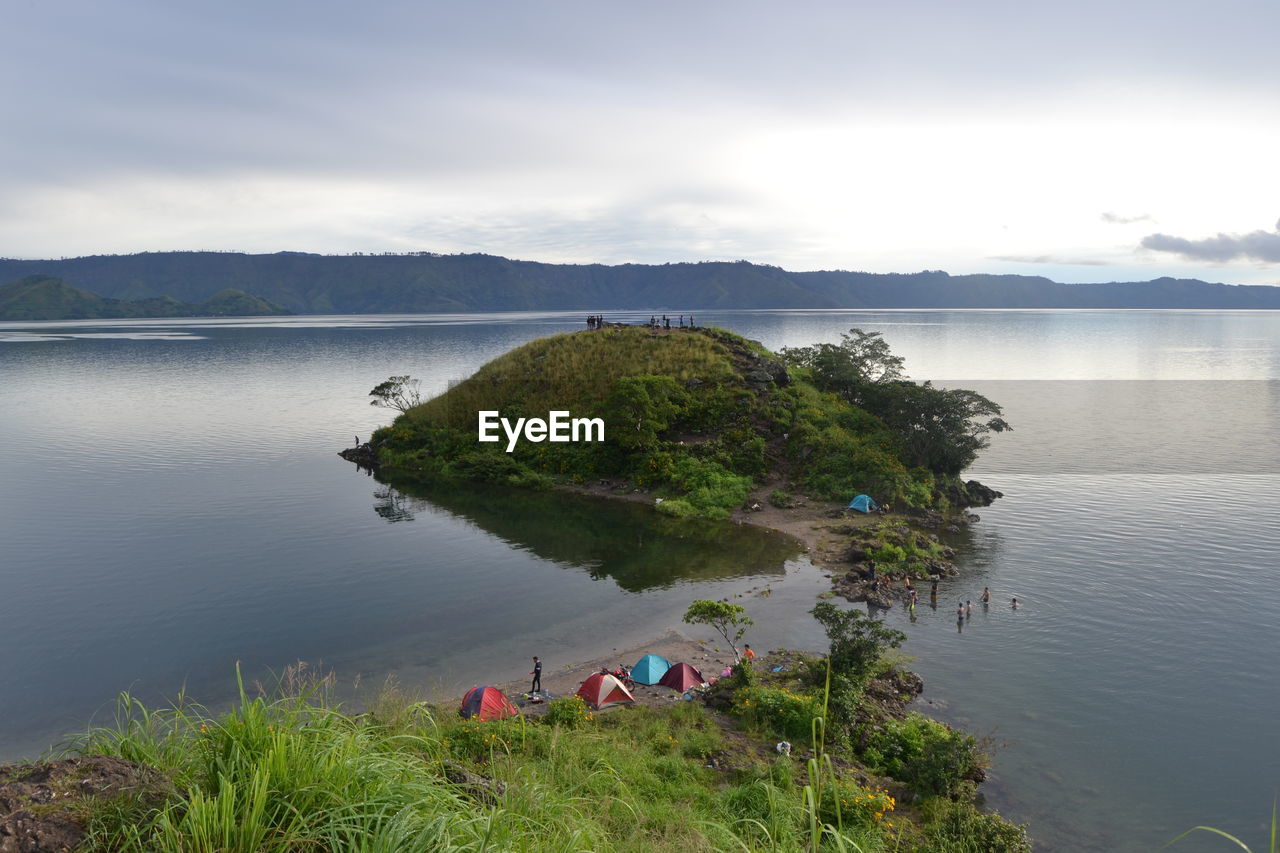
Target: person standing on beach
(536, 672)
(747, 653)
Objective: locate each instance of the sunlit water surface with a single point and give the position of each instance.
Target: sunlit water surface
(171, 503)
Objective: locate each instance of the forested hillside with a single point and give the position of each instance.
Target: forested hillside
(372, 284)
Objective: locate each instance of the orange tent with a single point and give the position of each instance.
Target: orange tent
(602, 690)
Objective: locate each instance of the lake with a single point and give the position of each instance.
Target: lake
(171, 503)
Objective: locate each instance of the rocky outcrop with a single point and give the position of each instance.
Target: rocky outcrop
(971, 493)
(42, 806)
(364, 455)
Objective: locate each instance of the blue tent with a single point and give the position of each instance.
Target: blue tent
(863, 503)
(649, 669)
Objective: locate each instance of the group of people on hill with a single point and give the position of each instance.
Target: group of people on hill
(596, 321)
(665, 322)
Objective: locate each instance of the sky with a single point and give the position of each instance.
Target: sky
(1084, 141)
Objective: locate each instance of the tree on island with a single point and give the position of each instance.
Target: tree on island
(940, 429)
(398, 392)
(729, 620)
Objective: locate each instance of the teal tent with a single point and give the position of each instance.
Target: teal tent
(863, 503)
(649, 669)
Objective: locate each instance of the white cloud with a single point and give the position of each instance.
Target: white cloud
(870, 137)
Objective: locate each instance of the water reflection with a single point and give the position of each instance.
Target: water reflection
(627, 542)
(391, 505)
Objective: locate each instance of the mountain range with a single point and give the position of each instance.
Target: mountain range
(427, 283)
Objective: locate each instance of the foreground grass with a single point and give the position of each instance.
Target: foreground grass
(292, 772)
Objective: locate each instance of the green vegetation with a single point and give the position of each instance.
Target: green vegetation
(932, 758)
(698, 418)
(398, 392)
(834, 704)
(41, 297)
(939, 430)
(896, 549)
(729, 620)
(290, 771)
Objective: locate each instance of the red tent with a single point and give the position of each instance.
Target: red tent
(487, 703)
(602, 689)
(681, 677)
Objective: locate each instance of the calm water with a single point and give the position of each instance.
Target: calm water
(170, 503)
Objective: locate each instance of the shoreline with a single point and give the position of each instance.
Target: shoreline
(674, 645)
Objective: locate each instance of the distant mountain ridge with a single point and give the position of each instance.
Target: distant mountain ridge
(427, 283)
(42, 297)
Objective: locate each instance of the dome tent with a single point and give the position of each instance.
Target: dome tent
(487, 703)
(863, 503)
(681, 677)
(602, 690)
(649, 669)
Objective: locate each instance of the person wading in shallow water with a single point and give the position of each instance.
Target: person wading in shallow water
(536, 672)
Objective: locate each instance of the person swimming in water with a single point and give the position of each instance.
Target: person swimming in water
(1014, 604)
(986, 595)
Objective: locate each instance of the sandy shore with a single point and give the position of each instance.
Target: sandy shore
(673, 645)
(813, 523)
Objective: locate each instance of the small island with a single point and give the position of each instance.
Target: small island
(698, 420)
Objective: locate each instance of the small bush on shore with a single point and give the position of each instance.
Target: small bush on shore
(777, 711)
(571, 712)
(958, 827)
(781, 499)
(848, 802)
(931, 757)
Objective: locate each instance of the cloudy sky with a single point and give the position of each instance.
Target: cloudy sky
(1085, 141)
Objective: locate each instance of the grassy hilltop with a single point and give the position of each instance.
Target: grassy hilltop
(701, 417)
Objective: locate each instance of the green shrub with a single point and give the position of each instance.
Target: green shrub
(858, 805)
(678, 508)
(931, 757)
(857, 640)
(569, 712)
(781, 499)
(778, 710)
(476, 740)
(958, 827)
(709, 487)
(889, 555)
